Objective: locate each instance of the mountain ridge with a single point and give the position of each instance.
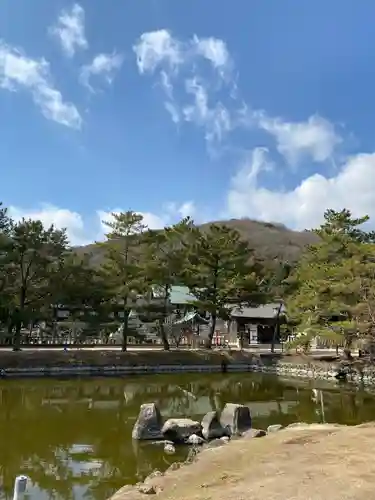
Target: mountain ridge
(270, 240)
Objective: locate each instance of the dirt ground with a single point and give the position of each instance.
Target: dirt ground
(316, 462)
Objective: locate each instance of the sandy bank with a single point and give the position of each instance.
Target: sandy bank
(309, 462)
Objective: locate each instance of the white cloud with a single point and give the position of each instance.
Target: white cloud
(216, 120)
(178, 63)
(175, 210)
(174, 111)
(17, 71)
(104, 65)
(187, 209)
(159, 51)
(303, 207)
(215, 51)
(157, 48)
(60, 217)
(70, 30)
(315, 137)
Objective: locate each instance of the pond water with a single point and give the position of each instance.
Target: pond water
(73, 437)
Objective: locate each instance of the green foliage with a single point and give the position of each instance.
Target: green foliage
(221, 270)
(33, 258)
(330, 292)
(164, 261)
(342, 223)
(335, 284)
(122, 269)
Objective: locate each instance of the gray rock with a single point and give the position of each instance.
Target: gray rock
(169, 449)
(254, 433)
(179, 429)
(274, 428)
(155, 473)
(147, 489)
(211, 426)
(194, 439)
(225, 439)
(235, 418)
(193, 452)
(161, 442)
(149, 423)
(174, 466)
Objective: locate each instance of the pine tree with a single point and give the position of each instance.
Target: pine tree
(165, 255)
(122, 268)
(33, 257)
(333, 295)
(222, 271)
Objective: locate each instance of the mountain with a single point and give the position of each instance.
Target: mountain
(271, 241)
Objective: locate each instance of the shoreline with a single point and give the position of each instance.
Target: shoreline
(31, 364)
(263, 466)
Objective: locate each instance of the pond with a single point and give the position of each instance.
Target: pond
(73, 437)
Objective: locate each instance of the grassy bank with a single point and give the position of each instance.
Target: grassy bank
(307, 463)
(49, 358)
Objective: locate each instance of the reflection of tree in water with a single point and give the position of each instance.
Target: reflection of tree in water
(40, 421)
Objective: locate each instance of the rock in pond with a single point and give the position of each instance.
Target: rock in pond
(169, 449)
(149, 423)
(211, 426)
(179, 429)
(194, 439)
(235, 418)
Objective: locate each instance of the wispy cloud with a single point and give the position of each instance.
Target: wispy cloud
(216, 120)
(104, 66)
(17, 72)
(179, 62)
(158, 47)
(211, 101)
(70, 30)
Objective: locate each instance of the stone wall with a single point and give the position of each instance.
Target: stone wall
(177, 362)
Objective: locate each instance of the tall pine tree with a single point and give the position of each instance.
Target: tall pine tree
(221, 271)
(122, 268)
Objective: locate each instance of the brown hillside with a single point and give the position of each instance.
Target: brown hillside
(271, 241)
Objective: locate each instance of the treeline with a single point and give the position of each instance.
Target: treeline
(38, 270)
(329, 293)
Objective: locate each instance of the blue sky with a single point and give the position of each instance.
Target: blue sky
(260, 109)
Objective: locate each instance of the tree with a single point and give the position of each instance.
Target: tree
(34, 255)
(5, 298)
(334, 282)
(165, 253)
(343, 223)
(122, 268)
(222, 272)
(83, 289)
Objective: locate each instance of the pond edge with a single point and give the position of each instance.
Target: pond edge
(325, 371)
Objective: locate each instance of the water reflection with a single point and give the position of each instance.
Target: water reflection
(72, 437)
